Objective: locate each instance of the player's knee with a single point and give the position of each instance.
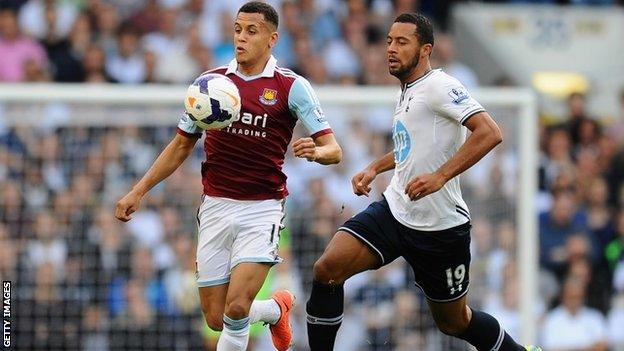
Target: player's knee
(326, 271)
(215, 322)
(238, 308)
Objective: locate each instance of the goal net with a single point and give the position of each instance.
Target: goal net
(83, 280)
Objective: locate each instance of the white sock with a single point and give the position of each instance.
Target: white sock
(235, 334)
(264, 310)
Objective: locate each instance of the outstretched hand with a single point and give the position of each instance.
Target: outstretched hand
(424, 185)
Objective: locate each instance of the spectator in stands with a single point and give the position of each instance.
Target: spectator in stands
(39, 18)
(47, 244)
(94, 329)
(107, 22)
(589, 132)
(140, 326)
(581, 265)
(94, 63)
(375, 298)
(572, 325)
(112, 252)
(202, 57)
(290, 26)
(16, 50)
(600, 221)
(143, 276)
(408, 317)
(558, 156)
(66, 53)
(555, 227)
(577, 105)
(341, 59)
(66, 211)
(127, 64)
(504, 307)
(444, 57)
(148, 18)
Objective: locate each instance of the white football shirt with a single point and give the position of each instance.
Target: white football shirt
(427, 132)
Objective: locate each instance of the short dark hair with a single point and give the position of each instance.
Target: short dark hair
(269, 13)
(424, 28)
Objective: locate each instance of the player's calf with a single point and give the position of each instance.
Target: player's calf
(485, 333)
(324, 315)
(454, 326)
(212, 303)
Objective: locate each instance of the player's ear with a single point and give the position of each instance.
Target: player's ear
(273, 40)
(426, 50)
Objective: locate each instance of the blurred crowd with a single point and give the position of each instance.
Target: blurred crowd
(83, 280)
(172, 41)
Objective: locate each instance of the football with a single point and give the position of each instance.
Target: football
(212, 101)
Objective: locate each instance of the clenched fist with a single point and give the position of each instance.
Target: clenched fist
(424, 185)
(305, 148)
(127, 206)
(361, 182)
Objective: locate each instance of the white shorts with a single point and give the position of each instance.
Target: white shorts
(234, 231)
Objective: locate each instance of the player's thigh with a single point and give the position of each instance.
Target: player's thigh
(344, 257)
(214, 242)
(212, 300)
(257, 236)
(440, 261)
(245, 281)
(366, 241)
(451, 317)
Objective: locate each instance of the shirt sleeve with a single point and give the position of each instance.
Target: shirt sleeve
(187, 127)
(304, 104)
(451, 99)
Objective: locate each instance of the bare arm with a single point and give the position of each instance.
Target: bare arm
(485, 136)
(167, 162)
(361, 181)
(324, 149)
(383, 164)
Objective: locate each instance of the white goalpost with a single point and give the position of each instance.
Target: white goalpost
(23, 105)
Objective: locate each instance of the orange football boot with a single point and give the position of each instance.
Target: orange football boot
(281, 332)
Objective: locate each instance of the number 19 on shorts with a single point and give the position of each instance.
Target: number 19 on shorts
(455, 278)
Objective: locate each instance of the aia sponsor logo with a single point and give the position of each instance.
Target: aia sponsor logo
(268, 97)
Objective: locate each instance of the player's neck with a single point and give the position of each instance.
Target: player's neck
(254, 68)
(418, 73)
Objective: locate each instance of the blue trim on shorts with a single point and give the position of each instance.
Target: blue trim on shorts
(255, 260)
(214, 282)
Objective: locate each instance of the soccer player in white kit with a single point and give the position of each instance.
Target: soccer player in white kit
(422, 217)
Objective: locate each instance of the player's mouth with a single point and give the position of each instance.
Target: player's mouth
(393, 62)
(240, 50)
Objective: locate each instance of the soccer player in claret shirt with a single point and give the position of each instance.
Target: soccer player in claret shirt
(244, 187)
(422, 217)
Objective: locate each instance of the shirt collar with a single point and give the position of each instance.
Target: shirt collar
(268, 71)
